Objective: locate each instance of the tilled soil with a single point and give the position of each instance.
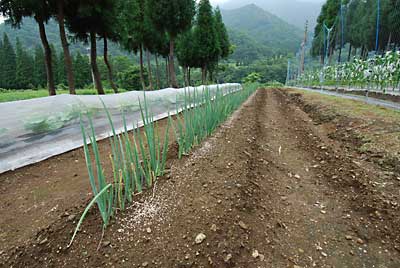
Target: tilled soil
(269, 189)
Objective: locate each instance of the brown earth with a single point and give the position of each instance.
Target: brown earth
(279, 185)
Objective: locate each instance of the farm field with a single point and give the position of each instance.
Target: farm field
(292, 179)
(16, 95)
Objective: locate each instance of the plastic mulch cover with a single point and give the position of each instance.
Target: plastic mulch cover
(37, 129)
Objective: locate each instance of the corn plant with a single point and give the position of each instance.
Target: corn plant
(377, 73)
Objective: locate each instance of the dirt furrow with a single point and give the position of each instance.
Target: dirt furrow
(269, 189)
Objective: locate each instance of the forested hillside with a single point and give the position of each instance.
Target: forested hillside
(28, 34)
(255, 36)
(272, 34)
(292, 11)
(254, 32)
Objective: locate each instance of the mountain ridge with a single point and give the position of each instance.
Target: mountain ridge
(292, 11)
(264, 27)
(256, 33)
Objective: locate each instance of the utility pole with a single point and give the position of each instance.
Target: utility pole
(288, 74)
(341, 31)
(328, 30)
(378, 19)
(303, 49)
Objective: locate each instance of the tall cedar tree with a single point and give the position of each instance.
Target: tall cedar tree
(1, 65)
(133, 31)
(87, 22)
(60, 6)
(24, 66)
(8, 65)
(60, 69)
(173, 17)
(223, 38)
(186, 54)
(82, 70)
(110, 31)
(359, 26)
(39, 69)
(15, 10)
(206, 38)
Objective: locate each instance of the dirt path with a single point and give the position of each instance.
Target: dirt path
(269, 189)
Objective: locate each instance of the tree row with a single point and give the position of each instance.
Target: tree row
(367, 25)
(195, 34)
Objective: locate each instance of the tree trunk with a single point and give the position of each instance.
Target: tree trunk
(157, 73)
(65, 46)
(362, 52)
(149, 69)
(109, 67)
(48, 61)
(141, 68)
(389, 41)
(204, 74)
(167, 70)
(349, 55)
(174, 82)
(93, 63)
(186, 76)
(217, 72)
(189, 76)
(340, 55)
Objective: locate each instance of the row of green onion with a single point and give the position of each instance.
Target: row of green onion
(139, 158)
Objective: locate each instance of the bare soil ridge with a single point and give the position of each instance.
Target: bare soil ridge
(269, 189)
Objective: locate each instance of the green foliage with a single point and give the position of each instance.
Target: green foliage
(257, 33)
(8, 65)
(51, 122)
(276, 70)
(39, 69)
(81, 67)
(24, 67)
(172, 16)
(252, 78)
(186, 50)
(29, 37)
(360, 25)
(205, 35)
(377, 73)
(222, 36)
(130, 79)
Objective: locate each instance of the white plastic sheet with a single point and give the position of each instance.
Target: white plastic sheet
(37, 129)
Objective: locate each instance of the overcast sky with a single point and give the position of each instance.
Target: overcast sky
(217, 2)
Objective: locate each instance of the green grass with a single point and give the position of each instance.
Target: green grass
(15, 95)
(352, 108)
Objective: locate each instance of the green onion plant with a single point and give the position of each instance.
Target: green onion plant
(139, 158)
